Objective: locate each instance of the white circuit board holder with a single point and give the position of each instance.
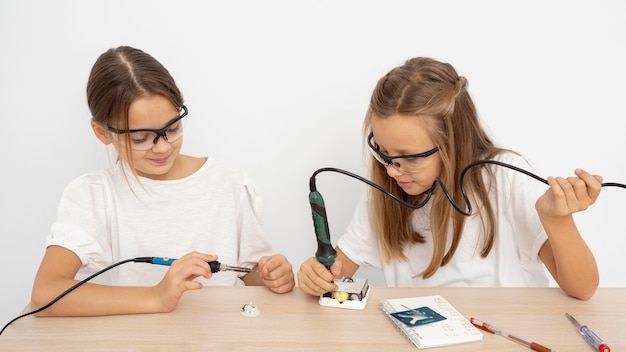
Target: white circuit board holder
(359, 290)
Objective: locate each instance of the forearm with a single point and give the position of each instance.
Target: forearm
(95, 300)
(569, 259)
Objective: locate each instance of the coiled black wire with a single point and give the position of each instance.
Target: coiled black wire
(439, 182)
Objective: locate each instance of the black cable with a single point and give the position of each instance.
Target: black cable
(439, 182)
(137, 260)
(326, 254)
(215, 267)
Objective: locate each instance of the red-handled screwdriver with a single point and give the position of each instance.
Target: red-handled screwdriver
(590, 336)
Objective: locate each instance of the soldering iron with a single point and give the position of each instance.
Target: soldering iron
(325, 254)
(215, 265)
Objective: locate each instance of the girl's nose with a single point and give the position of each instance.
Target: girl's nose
(392, 171)
(161, 146)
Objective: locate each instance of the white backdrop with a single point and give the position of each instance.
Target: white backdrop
(280, 89)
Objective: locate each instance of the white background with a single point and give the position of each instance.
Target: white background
(280, 88)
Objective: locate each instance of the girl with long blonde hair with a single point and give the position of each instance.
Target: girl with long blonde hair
(422, 126)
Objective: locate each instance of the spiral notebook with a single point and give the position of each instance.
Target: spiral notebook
(430, 321)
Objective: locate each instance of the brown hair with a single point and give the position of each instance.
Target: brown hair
(120, 76)
(433, 91)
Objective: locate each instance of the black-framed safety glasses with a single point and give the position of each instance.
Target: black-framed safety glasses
(411, 162)
(145, 138)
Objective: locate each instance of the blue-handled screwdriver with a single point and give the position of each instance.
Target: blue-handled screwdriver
(590, 336)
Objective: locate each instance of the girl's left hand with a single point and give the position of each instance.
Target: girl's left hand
(569, 195)
(277, 273)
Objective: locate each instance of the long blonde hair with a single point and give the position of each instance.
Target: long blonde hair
(427, 87)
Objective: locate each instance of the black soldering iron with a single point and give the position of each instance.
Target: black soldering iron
(325, 254)
(215, 265)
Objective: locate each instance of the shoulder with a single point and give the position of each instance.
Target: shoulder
(517, 173)
(508, 163)
(224, 169)
(224, 166)
(89, 180)
(511, 157)
(224, 174)
(88, 189)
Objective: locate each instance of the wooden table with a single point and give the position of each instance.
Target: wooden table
(210, 320)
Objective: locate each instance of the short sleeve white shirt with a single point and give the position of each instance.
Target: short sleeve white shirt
(512, 262)
(106, 217)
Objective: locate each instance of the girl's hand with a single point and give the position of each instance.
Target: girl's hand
(315, 279)
(277, 273)
(179, 278)
(569, 195)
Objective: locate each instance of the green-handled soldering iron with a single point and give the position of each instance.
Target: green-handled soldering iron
(325, 254)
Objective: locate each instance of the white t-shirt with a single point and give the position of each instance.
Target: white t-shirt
(513, 260)
(215, 211)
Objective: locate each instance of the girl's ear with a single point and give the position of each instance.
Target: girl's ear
(101, 133)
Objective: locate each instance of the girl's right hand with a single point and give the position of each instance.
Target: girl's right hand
(315, 279)
(179, 278)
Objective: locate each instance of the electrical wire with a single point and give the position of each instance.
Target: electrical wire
(138, 260)
(439, 182)
(215, 267)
